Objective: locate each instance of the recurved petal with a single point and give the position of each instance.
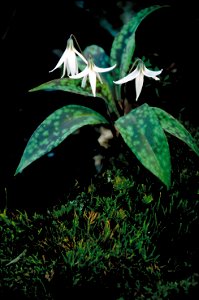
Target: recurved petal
(61, 61)
(129, 77)
(81, 56)
(81, 74)
(99, 77)
(150, 73)
(64, 69)
(139, 84)
(92, 79)
(102, 70)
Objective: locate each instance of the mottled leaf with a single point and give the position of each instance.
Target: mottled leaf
(126, 57)
(174, 127)
(63, 84)
(123, 46)
(142, 132)
(55, 128)
(74, 86)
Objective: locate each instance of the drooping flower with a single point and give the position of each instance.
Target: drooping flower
(91, 71)
(69, 59)
(138, 74)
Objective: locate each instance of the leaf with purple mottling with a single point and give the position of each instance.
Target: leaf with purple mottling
(174, 127)
(123, 46)
(142, 132)
(56, 128)
(63, 84)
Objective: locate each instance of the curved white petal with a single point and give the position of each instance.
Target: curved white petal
(72, 64)
(84, 81)
(102, 70)
(81, 74)
(139, 84)
(80, 55)
(99, 77)
(129, 77)
(61, 61)
(64, 69)
(92, 79)
(150, 73)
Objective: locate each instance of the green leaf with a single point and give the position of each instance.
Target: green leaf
(62, 84)
(174, 127)
(142, 132)
(102, 60)
(123, 46)
(55, 128)
(74, 86)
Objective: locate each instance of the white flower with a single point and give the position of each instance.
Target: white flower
(69, 59)
(138, 75)
(91, 71)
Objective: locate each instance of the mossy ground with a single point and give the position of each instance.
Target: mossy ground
(123, 236)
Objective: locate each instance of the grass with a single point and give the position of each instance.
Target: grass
(124, 236)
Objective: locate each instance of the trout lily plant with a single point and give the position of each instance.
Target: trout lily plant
(142, 128)
(69, 59)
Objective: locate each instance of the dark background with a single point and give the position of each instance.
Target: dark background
(30, 31)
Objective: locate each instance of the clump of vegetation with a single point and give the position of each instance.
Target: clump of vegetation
(142, 128)
(116, 239)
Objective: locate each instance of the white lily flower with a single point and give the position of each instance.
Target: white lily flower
(91, 71)
(138, 74)
(69, 59)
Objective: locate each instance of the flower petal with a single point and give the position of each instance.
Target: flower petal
(129, 77)
(102, 70)
(64, 69)
(150, 73)
(80, 55)
(92, 79)
(72, 64)
(81, 74)
(99, 77)
(139, 84)
(84, 81)
(61, 61)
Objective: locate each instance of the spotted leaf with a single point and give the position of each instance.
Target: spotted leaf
(74, 86)
(123, 46)
(63, 84)
(174, 127)
(142, 132)
(55, 128)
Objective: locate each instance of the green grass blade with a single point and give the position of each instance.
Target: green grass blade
(142, 132)
(55, 128)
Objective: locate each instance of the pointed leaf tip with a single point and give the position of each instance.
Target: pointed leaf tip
(144, 135)
(54, 129)
(174, 127)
